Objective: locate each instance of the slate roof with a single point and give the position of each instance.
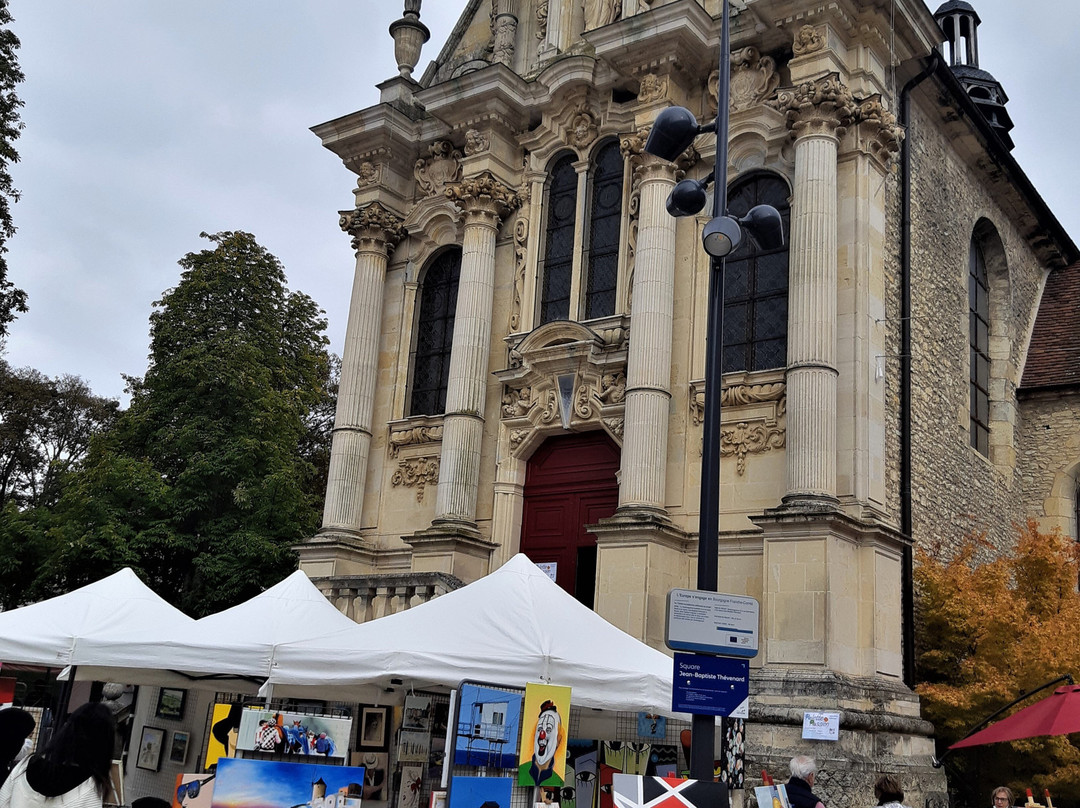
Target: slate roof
(1054, 354)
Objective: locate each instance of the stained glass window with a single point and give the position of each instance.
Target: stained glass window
(604, 220)
(756, 283)
(559, 242)
(435, 334)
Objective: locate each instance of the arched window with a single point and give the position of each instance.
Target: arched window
(580, 271)
(435, 334)
(756, 284)
(605, 216)
(559, 244)
(979, 348)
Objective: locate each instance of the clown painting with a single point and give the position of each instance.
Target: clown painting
(543, 735)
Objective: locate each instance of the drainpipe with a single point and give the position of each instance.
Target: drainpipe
(907, 594)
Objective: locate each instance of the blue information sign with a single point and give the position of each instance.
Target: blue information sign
(709, 685)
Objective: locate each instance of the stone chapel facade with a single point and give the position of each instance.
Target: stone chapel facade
(524, 360)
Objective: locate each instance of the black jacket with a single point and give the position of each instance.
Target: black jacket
(800, 795)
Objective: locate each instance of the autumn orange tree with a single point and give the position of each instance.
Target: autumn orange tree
(991, 627)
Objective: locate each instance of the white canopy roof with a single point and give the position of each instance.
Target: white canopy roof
(46, 633)
(230, 650)
(510, 627)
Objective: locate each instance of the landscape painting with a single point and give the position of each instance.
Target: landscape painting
(244, 783)
(480, 792)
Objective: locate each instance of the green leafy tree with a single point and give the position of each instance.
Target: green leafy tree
(12, 300)
(203, 485)
(988, 631)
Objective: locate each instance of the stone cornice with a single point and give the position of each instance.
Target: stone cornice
(373, 228)
(824, 106)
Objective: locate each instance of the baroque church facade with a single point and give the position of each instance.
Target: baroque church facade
(524, 359)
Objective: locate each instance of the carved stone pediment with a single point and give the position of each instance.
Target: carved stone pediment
(563, 375)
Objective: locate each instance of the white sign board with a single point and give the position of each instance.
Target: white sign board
(821, 726)
(712, 623)
(549, 568)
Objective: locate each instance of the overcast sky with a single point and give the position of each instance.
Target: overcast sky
(147, 122)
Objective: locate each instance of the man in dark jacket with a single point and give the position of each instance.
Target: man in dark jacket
(799, 787)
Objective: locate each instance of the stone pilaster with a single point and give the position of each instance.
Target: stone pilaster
(648, 366)
(375, 232)
(818, 112)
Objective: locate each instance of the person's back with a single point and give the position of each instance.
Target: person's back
(73, 772)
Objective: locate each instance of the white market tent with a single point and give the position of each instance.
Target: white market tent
(47, 633)
(229, 650)
(510, 627)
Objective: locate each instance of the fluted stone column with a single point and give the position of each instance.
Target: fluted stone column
(485, 202)
(375, 232)
(648, 364)
(817, 113)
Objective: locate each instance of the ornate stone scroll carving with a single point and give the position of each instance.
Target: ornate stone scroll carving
(483, 195)
(601, 12)
(652, 88)
(374, 226)
(615, 426)
(440, 168)
(883, 134)
(582, 130)
(753, 78)
(413, 436)
(503, 35)
(737, 395)
(541, 20)
(476, 142)
(369, 174)
(418, 472)
(743, 439)
(517, 403)
(521, 254)
(822, 106)
(807, 40)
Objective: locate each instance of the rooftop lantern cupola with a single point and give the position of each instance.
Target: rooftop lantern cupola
(959, 22)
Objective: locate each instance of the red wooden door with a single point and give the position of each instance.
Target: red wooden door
(570, 482)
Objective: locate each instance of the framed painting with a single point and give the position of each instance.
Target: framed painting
(170, 703)
(151, 743)
(373, 724)
(179, 746)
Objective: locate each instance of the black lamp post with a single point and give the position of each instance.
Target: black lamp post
(673, 131)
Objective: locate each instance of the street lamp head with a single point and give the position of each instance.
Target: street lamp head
(763, 224)
(688, 197)
(672, 133)
(722, 236)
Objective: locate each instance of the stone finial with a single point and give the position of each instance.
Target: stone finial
(409, 37)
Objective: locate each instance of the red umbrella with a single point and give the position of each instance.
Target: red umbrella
(1057, 714)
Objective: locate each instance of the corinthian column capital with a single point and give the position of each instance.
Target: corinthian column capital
(373, 228)
(483, 198)
(646, 166)
(880, 131)
(824, 106)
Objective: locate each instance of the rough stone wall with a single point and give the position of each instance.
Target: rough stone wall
(1048, 441)
(955, 489)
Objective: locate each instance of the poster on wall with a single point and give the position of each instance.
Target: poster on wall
(194, 790)
(542, 751)
(224, 727)
(294, 733)
(286, 784)
(487, 727)
(480, 792)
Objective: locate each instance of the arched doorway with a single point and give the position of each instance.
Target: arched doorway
(570, 482)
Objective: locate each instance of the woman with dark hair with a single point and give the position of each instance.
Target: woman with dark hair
(15, 727)
(888, 792)
(73, 771)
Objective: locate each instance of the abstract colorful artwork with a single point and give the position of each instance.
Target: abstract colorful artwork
(487, 727)
(276, 784)
(294, 733)
(224, 726)
(480, 792)
(632, 791)
(412, 784)
(542, 752)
